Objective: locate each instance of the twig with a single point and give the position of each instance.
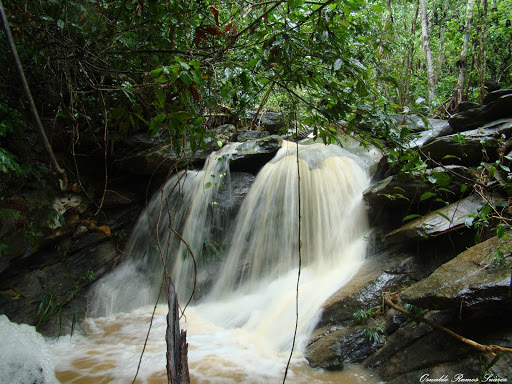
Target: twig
(149, 330)
(492, 349)
(300, 262)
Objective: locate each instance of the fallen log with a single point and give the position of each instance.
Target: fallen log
(177, 347)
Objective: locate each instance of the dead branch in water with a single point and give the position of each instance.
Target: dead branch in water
(177, 347)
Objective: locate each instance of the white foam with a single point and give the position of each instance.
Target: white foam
(24, 355)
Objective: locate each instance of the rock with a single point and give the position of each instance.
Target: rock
(389, 199)
(251, 155)
(269, 121)
(384, 271)
(436, 223)
(160, 159)
(404, 337)
(500, 108)
(437, 128)
(466, 105)
(450, 372)
(429, 351)
(470, 147)
(466, 281)
(231, 194)
(339, 346)
(325, 351)
(245, 135)
(414, 123)
(493, 96)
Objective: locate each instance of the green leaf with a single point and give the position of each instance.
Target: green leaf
(186, 77)
(252, 63)
(446, 190)
(500, 232)
(451, 157)
(207, 185)
(156, 72)
(185, 65)
(156, 123)
(443, 216)
(410, 217)
(439, 178)
(292, 4)
(377, 8)
(427, 195)
(219, 143)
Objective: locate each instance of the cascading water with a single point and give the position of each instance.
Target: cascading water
(241, 331)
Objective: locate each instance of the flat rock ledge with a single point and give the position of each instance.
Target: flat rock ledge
(469, 280)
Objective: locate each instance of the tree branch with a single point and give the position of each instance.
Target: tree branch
(492, 349)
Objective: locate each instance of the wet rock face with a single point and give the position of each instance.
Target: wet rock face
(252, 155)
(467, 281)
(424, 262)
(338, 347)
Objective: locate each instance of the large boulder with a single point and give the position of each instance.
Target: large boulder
(340, 346)
(467, 281)
(436, 128)
(472, 118)
(414, 123)
(472, 147)
(390, 199)
(161, 158)
(245, 135)
(495, 95)
(250, 156)
(436, 223)
(269, 121)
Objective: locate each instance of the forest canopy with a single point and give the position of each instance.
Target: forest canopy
(102, 70)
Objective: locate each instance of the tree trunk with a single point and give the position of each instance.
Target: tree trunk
(408, 66)
(483, 53)
(428, 51)
(440, 56)
(462, 63)
(177, 347)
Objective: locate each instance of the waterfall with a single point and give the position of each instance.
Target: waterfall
(241, 328)
(188, 204)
